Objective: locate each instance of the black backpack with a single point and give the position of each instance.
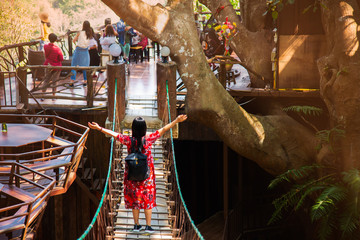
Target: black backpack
(138, 169)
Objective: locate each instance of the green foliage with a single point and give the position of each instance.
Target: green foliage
(307, 110)
(293, 175)
(332, 200)
(314, 6)
(16, 23)
(275, 6)
(330, 136)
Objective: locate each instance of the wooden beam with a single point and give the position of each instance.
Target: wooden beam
(222, 74)
(64, 67)
(226, 180)
(116, 71)
(58, 205)
(166, 72)
(86, 190)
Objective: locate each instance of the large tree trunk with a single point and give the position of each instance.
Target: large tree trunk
(275, 142)
(340, 78)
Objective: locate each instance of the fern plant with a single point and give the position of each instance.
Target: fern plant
(307, 110)
(331, 200)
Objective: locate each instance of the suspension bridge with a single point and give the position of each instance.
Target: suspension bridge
(51, 163)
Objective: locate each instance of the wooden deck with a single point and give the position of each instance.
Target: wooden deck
(142, 78)
(141, 84)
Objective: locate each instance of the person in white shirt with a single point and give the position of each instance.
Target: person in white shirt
(105, 42)
(81, 55)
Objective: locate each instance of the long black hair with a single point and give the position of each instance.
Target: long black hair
(138, 128)
(86, 27)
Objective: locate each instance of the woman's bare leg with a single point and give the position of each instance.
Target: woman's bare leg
(148, 213)
(136, 213)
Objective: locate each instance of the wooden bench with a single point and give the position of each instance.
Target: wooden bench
(17, 221)
(58, 141)
(17, 193)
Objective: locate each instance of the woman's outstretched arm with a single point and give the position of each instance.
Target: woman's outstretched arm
(94, 125)
(167, 127)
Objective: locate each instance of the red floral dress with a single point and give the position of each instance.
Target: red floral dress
(140, 195)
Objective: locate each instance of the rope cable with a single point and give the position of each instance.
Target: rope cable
(175, 168)
(86, 232)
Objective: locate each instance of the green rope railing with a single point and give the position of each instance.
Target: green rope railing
(86, 232)
(176, 172)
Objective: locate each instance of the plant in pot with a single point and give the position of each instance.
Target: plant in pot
(226, 32)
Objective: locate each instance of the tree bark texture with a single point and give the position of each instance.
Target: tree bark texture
(340, 79)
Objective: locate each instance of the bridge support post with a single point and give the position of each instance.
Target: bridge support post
(166, 72)
(116, 71)
(23, 92)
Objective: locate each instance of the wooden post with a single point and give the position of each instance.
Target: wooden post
(240, 176)
(70, 45)
(226, 180)
(23, 92)
(116, 71)
(59, 229)
(2, 78)
(166, 72)
(90, 89)
(222, 73)
(21, 54)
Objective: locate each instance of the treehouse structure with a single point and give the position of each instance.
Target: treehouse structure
(301, 41)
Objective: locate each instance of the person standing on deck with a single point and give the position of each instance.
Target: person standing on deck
(53, 57)
(105, 42)
(44, 29)
(93, 50)
(81, 56)
(125, 33)
(140, 195)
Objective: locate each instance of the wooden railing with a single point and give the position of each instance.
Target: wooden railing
(14, 55)
(11, 56)
(102, 224)
(9, 91)
(92, 90)
(15, 62)
(30, 188)
(58, 156)
(182, 225)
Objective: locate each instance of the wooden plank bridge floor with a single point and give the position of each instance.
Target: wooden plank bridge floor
(141, 101)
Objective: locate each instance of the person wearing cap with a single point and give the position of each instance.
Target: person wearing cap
(44, 29)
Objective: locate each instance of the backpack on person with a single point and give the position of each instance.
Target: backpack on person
(138, 169)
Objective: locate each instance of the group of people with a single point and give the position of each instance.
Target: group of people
(92, 49)
(124, 35)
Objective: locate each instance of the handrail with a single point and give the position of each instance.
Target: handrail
(40, 151)
(19, 45)
(86, 232)
(176, 172)
(46, 116)
(90, 95)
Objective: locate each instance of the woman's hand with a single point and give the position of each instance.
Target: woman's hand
(181, 118)
(94, 125)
